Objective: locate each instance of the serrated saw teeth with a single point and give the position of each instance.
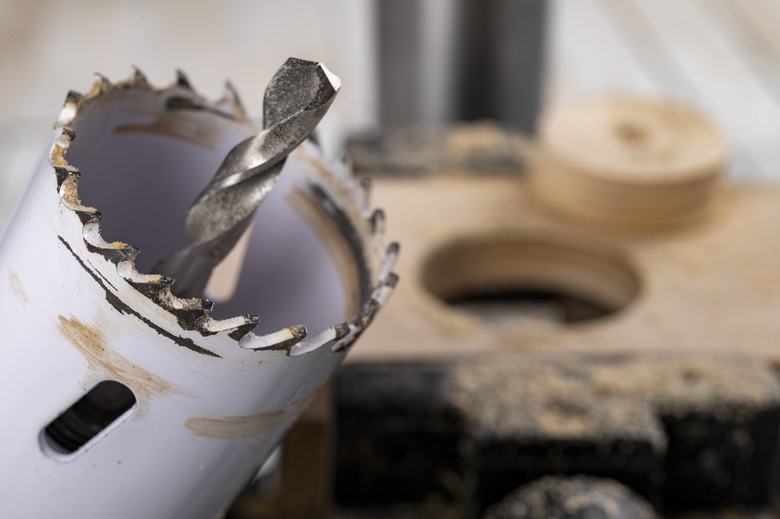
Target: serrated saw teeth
(57, 155)
(100, 85)
(182, 81)
(384, 290)
(340, 331)
(366, 186)
(234, 327)
(193, 313)
(68, 191)
(151, 288)
(347, 341)
(381, 295)
(377, 221)
(388, 264)
(326, 337)
(116, 252)
(283, 340)
(137, 78)
(364, 318)
(192, 304)
(69, 109)
(233, 101)
(63, 173)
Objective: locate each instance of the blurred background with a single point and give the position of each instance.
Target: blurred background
(49, 47)
(403, 61)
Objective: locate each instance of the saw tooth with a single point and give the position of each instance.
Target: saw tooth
(341, 330)
(182, 80)
(243, 325)
(100, 85)
(382, 292)
(68, 134)
(344, 332)
(192, 319)
(367, 314)
(190, 304)
(233, 327)
(325, 337)
(68, 177)
(282, 340)
(233, 100)
(137, 78)
(349, 338)
(152, 288)
(388, 264)
(116, 252)
(366, 185)
(69, 109)
(58, 150)
(377, 222)
(391, 281)
(191, 313)
(89, 217)
(63, 173)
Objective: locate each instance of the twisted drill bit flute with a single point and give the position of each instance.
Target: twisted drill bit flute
(295, 101)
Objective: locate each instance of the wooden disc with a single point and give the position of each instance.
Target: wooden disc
(628, 162)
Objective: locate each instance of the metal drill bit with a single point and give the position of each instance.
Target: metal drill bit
(295, 100)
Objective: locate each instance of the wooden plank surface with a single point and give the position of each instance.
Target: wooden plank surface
(710, 287)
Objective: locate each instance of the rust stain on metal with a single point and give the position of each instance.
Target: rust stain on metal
(91, 342)
(17, 288)
(240, 427)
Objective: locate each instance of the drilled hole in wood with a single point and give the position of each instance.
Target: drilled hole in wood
(565, 280)
(92, 414)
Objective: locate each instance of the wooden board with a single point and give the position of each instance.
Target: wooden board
(714, 286)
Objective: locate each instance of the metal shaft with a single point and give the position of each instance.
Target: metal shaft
(295, 100)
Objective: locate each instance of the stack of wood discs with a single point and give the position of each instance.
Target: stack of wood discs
(627, 162)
